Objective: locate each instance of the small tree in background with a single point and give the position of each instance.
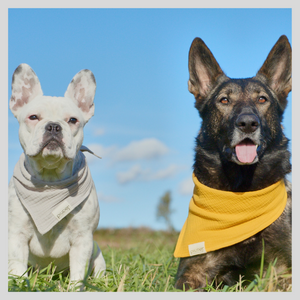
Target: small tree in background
(164, 210)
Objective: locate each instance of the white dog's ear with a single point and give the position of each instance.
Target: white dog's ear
(25, 87)
(82, 91)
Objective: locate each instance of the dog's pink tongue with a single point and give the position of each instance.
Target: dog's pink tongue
(245, 151)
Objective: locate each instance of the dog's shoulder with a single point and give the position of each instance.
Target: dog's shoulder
(288, 186)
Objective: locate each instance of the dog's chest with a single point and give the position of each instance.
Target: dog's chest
(58, 241)
(55, 243)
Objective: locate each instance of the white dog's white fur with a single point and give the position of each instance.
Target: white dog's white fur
(70, 242)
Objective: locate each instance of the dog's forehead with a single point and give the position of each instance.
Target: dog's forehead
(241, 87)
(232, 88)
(52, 107)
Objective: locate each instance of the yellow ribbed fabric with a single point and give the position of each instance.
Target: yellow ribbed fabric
(219, 219)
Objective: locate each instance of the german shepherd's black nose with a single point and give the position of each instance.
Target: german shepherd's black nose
(247, 123)
(53, 128)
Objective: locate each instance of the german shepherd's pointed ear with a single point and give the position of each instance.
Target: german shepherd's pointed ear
(203, 68)
(277, 69)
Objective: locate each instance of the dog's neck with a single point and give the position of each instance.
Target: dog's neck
(220, 174)
(51, 169)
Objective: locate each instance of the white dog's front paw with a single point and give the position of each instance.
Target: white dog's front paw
(98, 262)
(75, 286)
(17, 269)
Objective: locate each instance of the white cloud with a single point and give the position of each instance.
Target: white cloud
(186, 187)
(107, 198)
(147, 149)
(170, 171)
(137, 173)
(132, 174)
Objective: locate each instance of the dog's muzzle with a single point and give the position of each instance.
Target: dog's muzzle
(52, 136)
(247, 123)
(245, 146)
(53, 128)
(246, 150)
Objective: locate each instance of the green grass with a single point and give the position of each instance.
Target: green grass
(138, 260)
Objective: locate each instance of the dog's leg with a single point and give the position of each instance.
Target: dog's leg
(18, 251)
(79, 255)
(191, 274)
(217, 266)
(97, 261)
(18, 236)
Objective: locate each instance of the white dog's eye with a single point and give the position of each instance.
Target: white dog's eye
(72, 120)
(33, 117)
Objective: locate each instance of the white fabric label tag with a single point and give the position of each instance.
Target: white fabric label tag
(198, 248)
(62, 210)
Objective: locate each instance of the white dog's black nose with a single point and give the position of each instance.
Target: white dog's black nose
(53, 128)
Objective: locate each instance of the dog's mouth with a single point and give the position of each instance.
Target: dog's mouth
(52, 147)
(52, 144)
(246, 152)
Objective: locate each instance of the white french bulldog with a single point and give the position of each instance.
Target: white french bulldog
(53, 208)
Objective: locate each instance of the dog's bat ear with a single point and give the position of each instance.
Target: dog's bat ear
(203, 68)
(82, 91)
(25, 87)
(277, 69)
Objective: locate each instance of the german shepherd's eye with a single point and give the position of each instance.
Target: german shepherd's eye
(224, 100)
(262, 99)
(72, 120)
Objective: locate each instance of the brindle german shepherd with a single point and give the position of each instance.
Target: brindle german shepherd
(245, 112)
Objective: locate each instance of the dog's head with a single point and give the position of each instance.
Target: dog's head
(241, 117)
(51, 128)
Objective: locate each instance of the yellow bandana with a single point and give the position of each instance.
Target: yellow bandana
(219, 219)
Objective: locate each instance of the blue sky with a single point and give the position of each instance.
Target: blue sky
(145, 122)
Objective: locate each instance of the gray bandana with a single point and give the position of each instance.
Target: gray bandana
(48, 203)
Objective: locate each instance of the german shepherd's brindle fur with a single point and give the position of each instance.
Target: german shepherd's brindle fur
(234, 111)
